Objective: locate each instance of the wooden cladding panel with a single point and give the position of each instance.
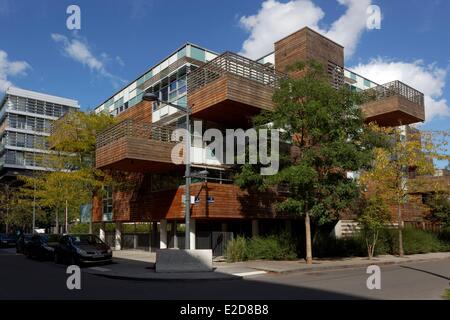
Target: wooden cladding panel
(140, 112)
(393, 111)
(249, 92)
(306, 44)
(134, 148)
(230, 95)
(230, 202)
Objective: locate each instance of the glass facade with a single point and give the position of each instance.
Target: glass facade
(171, 87)
(25, 124)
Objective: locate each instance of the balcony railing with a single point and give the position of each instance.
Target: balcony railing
(396, 88)
(231, 63)
(130, 128)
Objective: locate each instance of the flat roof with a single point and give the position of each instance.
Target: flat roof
(42, 96)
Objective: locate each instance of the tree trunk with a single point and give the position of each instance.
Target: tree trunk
(57, 222)
(400, 230)
(308, 239)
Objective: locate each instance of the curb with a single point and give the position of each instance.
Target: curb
(134, 278)
(350, 266)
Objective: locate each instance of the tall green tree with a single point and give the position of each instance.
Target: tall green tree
(328, 138)
(73, 139)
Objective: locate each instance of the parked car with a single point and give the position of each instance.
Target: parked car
(42, 246)
(22, 242)
(82, 249)
(7, 240)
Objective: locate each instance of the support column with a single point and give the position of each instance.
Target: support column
(163, 234)
(102, 234)
(154, 236)
(135, 237)
(224, 227)
(118, 236)
(255, 228)
(192, 234)
(175, 238)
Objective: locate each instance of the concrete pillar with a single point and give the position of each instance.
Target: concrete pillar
(163, 234)
(154, 236)
(175, 238)
(135, 241)
(192, 234)
(118, 236)
(255, 228)
(102, 233)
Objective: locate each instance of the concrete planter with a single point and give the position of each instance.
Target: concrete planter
(175, 260)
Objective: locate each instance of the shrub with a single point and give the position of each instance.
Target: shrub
(272, 247)
(79, 228)
(420, 241)
(236, 249)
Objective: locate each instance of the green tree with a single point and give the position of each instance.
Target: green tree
(439, 204)
(73, 139)
(327, 137)
(372, 220)
(408, 151)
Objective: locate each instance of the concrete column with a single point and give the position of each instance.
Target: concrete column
(192, 234)
(163, 234)
(255, 228)
(175, 238)
(224, 227)
(102, 233)
(118, 236)
(154, 236)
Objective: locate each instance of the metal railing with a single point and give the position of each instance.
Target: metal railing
(231, 63)
(130, 128)
(396, 88)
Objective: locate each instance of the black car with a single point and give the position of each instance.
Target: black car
(7, 240)
(22, 242)
(42, 246)
(82, 249)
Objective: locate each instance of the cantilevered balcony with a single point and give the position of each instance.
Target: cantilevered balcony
(134, 146)
(393, 104)
(231, 89)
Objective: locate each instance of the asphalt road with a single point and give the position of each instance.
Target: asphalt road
(21, 278)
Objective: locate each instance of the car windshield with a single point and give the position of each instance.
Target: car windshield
(85, 239)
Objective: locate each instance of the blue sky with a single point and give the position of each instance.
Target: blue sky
(119, 40)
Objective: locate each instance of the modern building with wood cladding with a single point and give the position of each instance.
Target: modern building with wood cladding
(224, 91)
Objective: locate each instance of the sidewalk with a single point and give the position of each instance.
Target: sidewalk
(140, 265)
(330, 264)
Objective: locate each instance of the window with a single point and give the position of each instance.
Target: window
(352, 76)
(366, 83)
(107, 203)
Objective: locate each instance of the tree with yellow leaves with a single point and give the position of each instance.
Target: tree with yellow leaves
(410, 153)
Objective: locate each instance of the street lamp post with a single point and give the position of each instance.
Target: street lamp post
(148, 96)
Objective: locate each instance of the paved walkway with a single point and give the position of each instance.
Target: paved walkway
(140, 265)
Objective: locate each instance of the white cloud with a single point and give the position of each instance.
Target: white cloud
(429, 79)
(276, 20)
(10, 69)
(79, 51)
